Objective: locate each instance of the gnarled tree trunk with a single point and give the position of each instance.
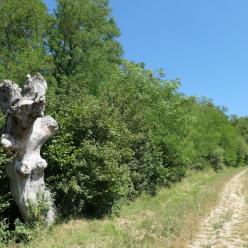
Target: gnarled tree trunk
(26, 130)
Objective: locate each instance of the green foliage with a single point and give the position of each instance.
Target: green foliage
(82, 40)
(152, 107)
(241, 125)
(23, 233)
(22, 29)
(38, 211)
(216, 141)
(6, 202)
(216, 158)
(88, 170)
(5, 233)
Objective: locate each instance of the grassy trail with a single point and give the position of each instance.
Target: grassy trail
(171, 219)
(221, 228)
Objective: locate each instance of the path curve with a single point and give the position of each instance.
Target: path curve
(221, 227)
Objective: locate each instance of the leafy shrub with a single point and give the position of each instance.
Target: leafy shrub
(5, 234)
(23, 233)
(88, 171)
(151, 107)
(216, 158)
(38, 211)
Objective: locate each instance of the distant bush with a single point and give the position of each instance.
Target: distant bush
(216, 158)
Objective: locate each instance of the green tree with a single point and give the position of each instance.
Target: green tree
(242, 125)
(151, 107)
(216, 141)
(82, 40)
(22, 30)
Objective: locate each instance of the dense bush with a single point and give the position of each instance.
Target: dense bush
(215, 136)
(7, 207)
(4, 233)
(100, 161)
(152, 106)
(88, 159)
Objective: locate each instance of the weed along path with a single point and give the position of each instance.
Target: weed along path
(221, 228)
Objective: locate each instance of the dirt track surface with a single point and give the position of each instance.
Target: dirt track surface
(221, 227)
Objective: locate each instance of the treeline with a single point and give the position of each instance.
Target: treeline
(124, 129)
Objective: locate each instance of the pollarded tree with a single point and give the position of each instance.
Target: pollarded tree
(22, 28)
(83, 42)
(22, 51)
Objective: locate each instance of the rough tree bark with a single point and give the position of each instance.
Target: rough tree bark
(26, 130)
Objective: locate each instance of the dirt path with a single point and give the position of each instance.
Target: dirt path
(221, 227)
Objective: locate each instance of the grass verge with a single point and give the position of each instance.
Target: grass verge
(170, 219)
(243, 228)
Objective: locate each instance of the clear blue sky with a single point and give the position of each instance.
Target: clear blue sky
(204, 43)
